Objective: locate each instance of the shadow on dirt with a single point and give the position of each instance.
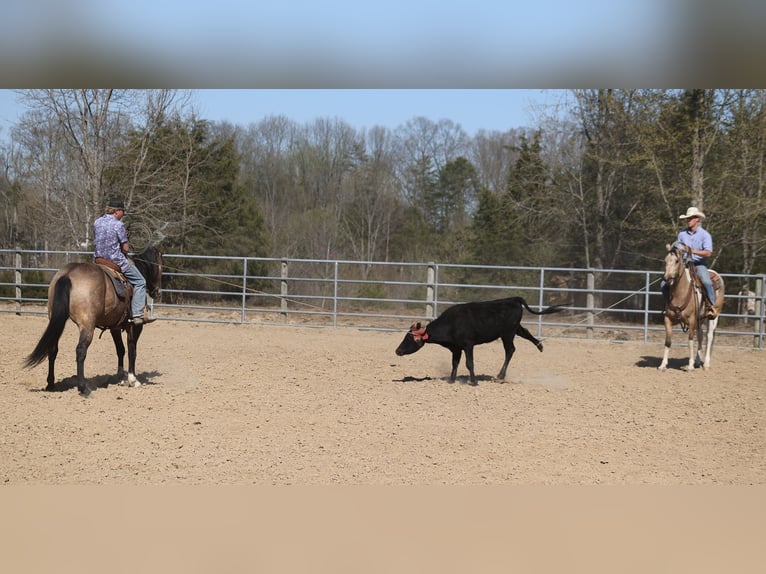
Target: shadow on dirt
(99, 382)
(463, 380)
(654, 362)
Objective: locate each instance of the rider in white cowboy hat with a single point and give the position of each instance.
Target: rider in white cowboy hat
(699, 248)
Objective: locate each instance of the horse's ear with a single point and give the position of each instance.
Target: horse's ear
(668, 247)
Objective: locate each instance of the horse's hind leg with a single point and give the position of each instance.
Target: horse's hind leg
(52, 353)
(86, 336)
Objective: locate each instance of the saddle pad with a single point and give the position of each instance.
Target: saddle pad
(121, 285)
(714, 277)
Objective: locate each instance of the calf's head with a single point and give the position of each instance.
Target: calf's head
(413, 341)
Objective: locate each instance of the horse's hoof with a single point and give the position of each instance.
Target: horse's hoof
(662, 368)
(133, 381)
(84, 392)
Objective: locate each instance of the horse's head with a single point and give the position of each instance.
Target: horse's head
(674, 263)
(149, 262)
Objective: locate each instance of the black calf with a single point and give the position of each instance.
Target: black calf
(464, 326)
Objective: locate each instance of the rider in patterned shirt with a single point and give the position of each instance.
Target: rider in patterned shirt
(111, 242)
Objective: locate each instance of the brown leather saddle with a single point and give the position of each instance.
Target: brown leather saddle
(122, 286)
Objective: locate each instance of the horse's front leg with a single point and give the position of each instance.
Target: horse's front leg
(134, 332)
(701, 340)
(692, 352)
(119, 347)
(711, 327)
(668, 340)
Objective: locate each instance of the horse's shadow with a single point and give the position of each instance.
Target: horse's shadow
(460, 379)
(100, 382)
(647, 362)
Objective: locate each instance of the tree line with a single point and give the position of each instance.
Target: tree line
(597, 184)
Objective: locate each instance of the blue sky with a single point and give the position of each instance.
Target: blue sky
(398, 44)
(343, 43)
(473, 109)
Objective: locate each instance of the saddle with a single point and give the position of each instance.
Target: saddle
(710, 310)
(714, 277)
(122, 286)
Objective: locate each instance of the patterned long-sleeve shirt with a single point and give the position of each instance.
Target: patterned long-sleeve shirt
(110, 234)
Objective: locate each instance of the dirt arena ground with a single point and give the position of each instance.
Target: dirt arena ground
(268, 405)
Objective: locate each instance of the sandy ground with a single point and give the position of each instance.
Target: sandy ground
(267, 405)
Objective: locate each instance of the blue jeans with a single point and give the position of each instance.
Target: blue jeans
(133, 275)
(707, 282)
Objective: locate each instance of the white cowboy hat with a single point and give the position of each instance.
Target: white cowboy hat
(692, 212)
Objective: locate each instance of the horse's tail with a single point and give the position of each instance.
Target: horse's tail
(56, 324)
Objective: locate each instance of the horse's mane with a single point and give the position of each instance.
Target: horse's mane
(146, 259)
(149, 254)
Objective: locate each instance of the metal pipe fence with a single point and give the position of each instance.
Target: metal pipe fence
(608, 304)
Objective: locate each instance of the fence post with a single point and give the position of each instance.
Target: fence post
(283, 289)
(17, 276)
(589, 302)
(758, 322)
(430, 278)
(647, 286)
(335, 296)
(244, 289)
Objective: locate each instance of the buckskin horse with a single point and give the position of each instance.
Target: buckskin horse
(685, 306)
(87, 294)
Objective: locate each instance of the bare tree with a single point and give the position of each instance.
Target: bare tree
(266, 151)
(493, 155)
(370, 199)
(93, 125)
(741, 189)
(604, 123)
(425, 147)
(47, 169)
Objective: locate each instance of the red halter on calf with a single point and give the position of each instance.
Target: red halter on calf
(418, 332)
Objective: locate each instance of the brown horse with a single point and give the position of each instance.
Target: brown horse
(86, 294)
(685, 306)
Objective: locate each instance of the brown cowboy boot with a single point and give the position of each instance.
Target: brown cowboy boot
(143, 319)
(711, 311)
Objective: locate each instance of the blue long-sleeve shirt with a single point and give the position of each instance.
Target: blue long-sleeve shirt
(700, 240)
